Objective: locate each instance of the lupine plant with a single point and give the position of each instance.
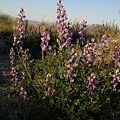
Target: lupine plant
(76, 84)
(16, 51)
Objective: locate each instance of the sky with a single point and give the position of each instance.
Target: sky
(93, 11)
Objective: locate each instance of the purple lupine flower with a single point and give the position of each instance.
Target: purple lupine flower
(23, 76)
(45, 43)
(23, 94)
(14, 75)
(11, 56)
(88, 56)
(62, 20)
(101, 45)
(115, 81)
(83, 28)
(46, 81)
(12, 52)
(50, 91)
(16, 32)
(24, 53)
(83, 33)
(117, 56)
(21, 25)
(71, 65)
(21, 14)
(64, 27)
(67, 37)
(91, 84)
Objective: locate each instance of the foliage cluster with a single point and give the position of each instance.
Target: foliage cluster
(76, 76)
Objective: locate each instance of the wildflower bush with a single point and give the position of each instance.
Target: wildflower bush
(73, 79)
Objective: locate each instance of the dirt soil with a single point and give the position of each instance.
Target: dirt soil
(4, 68)
(4, 74)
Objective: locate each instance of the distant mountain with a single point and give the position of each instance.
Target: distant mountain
(11, 17)
(29, 21)
(33, 22)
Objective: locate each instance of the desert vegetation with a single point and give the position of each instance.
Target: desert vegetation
(61, 71)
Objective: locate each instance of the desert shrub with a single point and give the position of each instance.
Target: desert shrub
(6, 25)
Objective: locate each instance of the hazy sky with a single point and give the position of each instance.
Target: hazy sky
(93, 11)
